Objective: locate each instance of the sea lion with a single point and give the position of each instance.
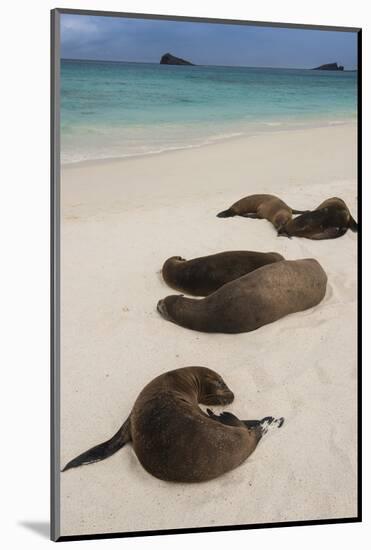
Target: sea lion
(174, 439)
(203, 276)
(254, 300)
(330, 220)
(267, 207)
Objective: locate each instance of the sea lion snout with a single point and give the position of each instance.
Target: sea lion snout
(178, 258)
(161, 308)
(281, 219)
(225, 396)
(219, 397)
(215, 392)
(282, 232)
(165, 305)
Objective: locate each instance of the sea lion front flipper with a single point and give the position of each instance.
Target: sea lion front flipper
(252, 215)
(212, 415)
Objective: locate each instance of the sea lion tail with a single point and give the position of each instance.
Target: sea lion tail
(294, 211)
(353, 225)
(226, 213)
(103, 450)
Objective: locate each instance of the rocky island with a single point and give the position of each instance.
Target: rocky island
(329, 67)
(168, 59)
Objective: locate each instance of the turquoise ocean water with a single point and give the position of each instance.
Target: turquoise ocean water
(111, 110)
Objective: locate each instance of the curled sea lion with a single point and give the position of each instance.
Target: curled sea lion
(266, 207)
(174, 439)
(203, 276)
(256, 299)
(330, 220)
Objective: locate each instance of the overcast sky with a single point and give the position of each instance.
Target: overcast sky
(143, 40)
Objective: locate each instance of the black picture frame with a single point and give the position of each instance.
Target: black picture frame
(55, 277)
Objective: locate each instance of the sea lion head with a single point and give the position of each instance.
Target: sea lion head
(177, 259)
(301, 226)
(282, 218)
(170, 265)
(212, 389)
(165, 305)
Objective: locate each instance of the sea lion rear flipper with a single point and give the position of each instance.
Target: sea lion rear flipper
(251, 423)
(226, 213)
(353, 225)
(267, 424)
(103, 450)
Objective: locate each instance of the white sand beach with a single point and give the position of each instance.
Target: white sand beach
(120, 220)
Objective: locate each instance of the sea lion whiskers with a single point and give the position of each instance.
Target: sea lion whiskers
(222, 398)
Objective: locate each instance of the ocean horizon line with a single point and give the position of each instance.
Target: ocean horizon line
(122, 61)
